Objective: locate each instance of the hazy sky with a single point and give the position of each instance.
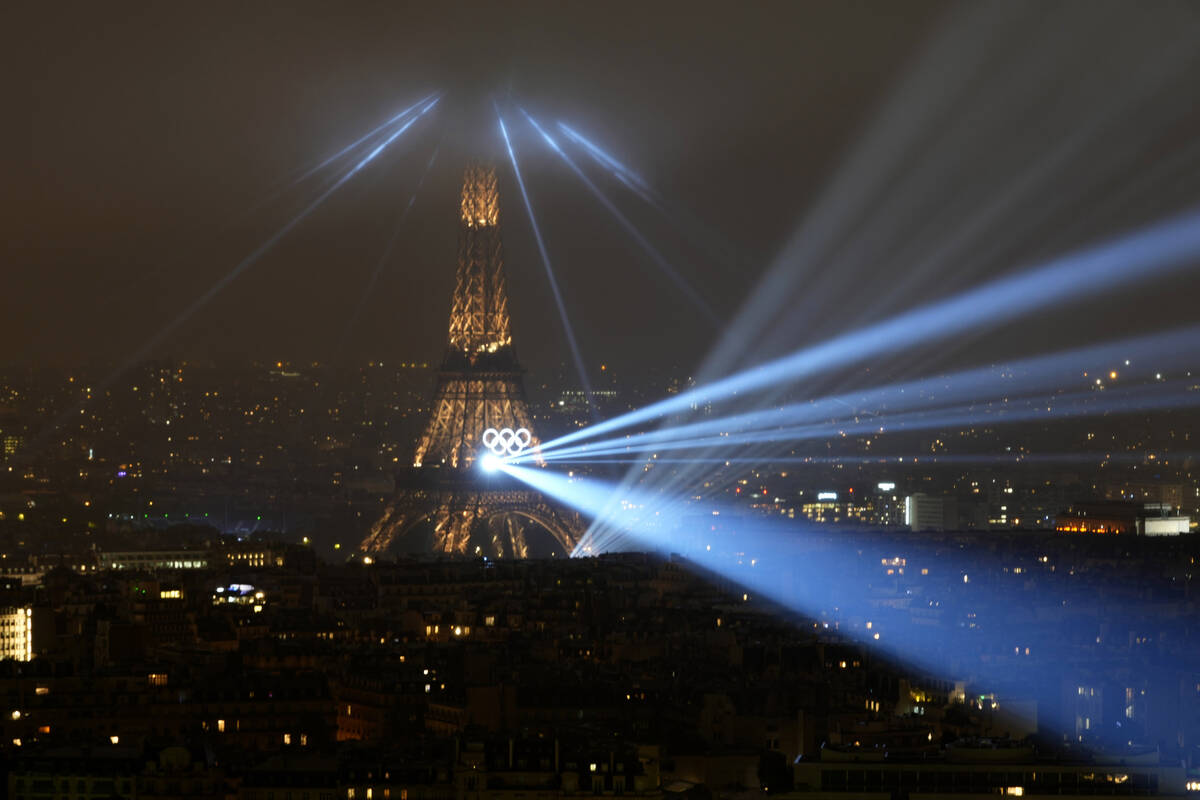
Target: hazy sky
(144, 135)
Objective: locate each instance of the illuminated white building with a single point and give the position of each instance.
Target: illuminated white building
(154, 559)
(924, 513)
(16, 633)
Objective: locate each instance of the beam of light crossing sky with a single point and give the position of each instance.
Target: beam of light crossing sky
(151, 343)
(883, 459)
(379, 129)
(1153, 252)
(973, 396)
(305, 174)
(703, 235)
(655, 256)
(148, 346)
(387, 251)
(923, 160)
(814, 572)
(971, 387)
(558, 298)
(634, 182)
(923, 191)
(1086, 404)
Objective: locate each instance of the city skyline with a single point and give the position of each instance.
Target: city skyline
(684, 401)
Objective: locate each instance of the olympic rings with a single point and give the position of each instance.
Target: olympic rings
(506, 441)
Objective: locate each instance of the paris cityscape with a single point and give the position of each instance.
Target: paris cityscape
(502, 402)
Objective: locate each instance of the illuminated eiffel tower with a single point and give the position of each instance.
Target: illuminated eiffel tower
(479, 386)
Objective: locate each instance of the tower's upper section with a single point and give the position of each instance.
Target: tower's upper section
(480, 197)
(479, 324)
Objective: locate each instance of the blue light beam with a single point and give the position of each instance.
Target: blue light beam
(377, 129)
(259, 251)
(1153, 252)
(971, 387)
(1086, 404)
(702, 235)
(541, 243)
(655, 256)
(387, 251)
(632, 181)
(832, 582)
(308, 173)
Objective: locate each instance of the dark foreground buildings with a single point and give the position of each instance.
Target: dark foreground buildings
(253, 670)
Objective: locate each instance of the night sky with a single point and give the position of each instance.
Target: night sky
(144, 135)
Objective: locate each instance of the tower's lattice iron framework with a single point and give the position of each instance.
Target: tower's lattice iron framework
(479, 386)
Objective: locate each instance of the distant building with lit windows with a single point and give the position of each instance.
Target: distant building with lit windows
(1139, 519)
(826, 508)
(11, 439)
(154, 559)
(887, 506)
(980, 771)
(16, 633)
(924, 512)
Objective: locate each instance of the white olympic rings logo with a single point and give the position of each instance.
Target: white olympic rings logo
(506, 441)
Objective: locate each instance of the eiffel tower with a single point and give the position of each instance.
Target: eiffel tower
(479, 386)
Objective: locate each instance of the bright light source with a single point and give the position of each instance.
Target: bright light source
(489, 462)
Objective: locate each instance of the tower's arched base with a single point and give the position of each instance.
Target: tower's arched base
(470, 514)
